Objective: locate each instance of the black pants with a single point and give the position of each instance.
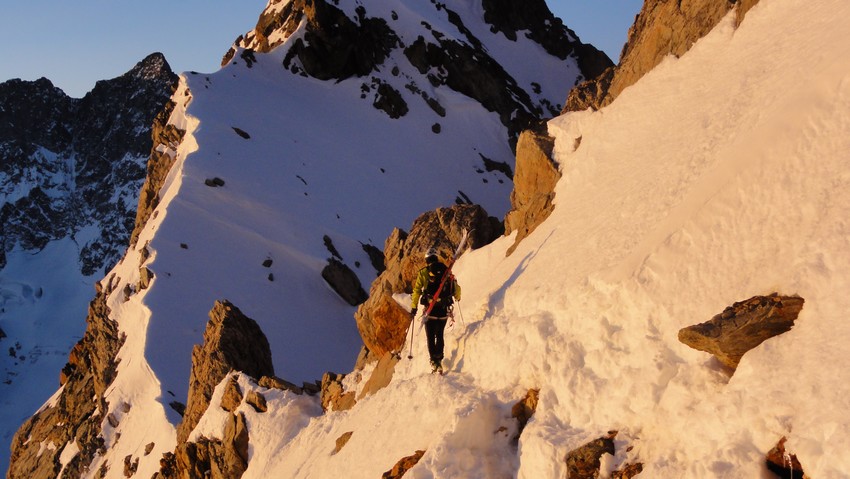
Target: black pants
(434, 328)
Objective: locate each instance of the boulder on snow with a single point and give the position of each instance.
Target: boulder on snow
(403, 465)
(344, 281)
(274, 382)
(257, 401)
(783, 464)
(382, 322)
(232, 341)
(534, 184)
(334, 396)
(341, 441)
(381, 375)
(232, 397)
(524, 409)
(584, 462)
(628, 471)
(743, 326)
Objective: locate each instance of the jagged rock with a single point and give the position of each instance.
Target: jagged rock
(166, 138)
(232, 397)
(783, 464)
(381, 375)
(390, 101)
(130, 465)
(403, 465)
(628, 471)
(524, 409)
(334, 397)
(341, 441)
(743, 326)
(91, 369)
(661, 28)
(149, 447)
(382, 322)
(210, 458)
(334, 46)
(584, 463)
(274, 382)
(344, 281)
(257, 401)
(232, 341)
(534, 185)
(145, 278)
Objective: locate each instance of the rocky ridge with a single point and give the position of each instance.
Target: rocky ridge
(661, 28)
(335, 46)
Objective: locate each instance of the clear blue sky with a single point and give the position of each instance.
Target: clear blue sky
(74, 43)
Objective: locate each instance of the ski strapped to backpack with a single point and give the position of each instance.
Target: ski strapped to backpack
(460, 247)
(447, 274)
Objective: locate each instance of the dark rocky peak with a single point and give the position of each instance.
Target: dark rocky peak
(153, 67)
(109, 115)
(68, 164)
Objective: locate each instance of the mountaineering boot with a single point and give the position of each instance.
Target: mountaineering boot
(436, 367)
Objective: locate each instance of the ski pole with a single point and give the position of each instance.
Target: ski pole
(410, 352)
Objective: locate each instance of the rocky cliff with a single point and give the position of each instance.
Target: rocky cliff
(663, 27)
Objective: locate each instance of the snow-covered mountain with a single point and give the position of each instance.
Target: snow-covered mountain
(295, 158)
(70, 172)
(718, 176)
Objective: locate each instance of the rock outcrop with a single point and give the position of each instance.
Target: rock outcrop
(403, 465)
(72, 164)
(782, 463)
(661, 28)
(232, 342)
(225, 458)
(534, 184)
(584, 462)
(524, 409)
(334, 396)
(743, 326)
(344, 281)
(382, 322)
(74, 418)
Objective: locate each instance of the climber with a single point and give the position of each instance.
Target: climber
(438, 308)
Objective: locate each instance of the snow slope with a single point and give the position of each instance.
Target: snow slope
(719, 176)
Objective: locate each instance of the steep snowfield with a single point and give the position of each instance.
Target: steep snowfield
(719, 176)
